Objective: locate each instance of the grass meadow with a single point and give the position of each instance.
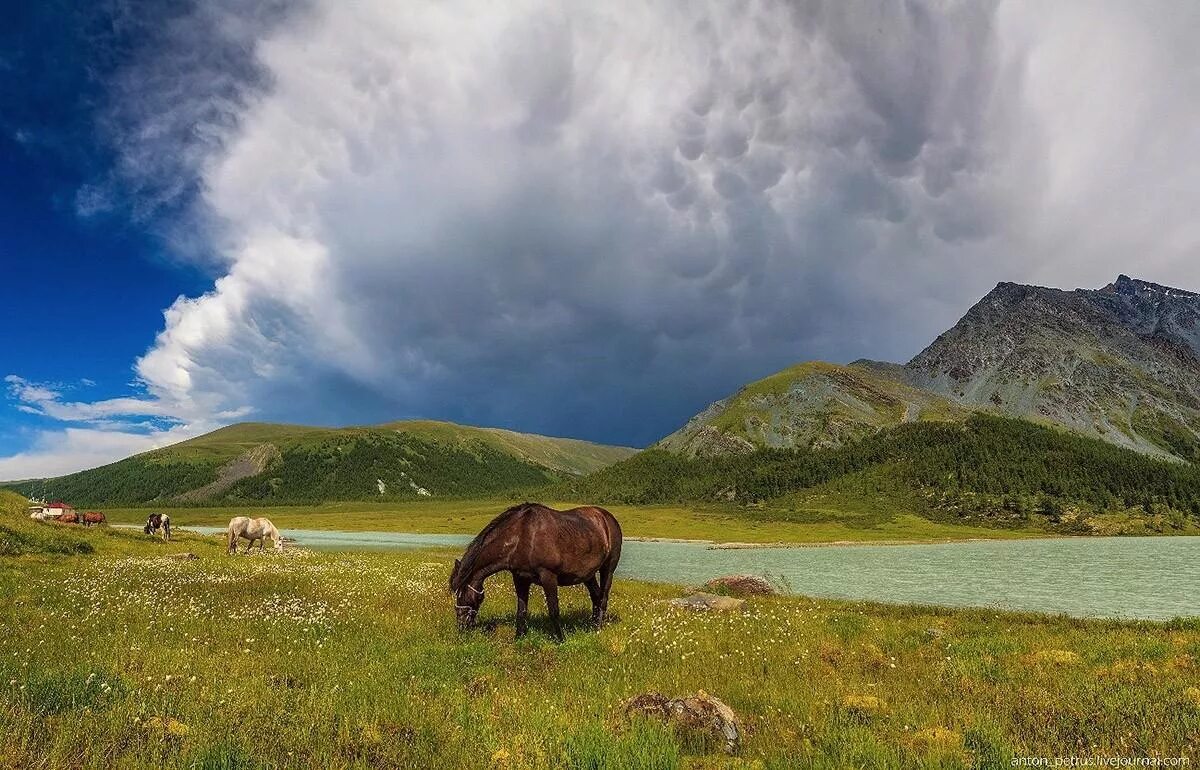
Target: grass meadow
(817, 521)
(132, 657)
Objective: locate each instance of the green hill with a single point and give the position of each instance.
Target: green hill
(20, 535)
(984, 469)
(810, 405)
(261, 463)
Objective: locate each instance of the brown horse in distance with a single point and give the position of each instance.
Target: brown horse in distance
(538, 544)
(93, 517)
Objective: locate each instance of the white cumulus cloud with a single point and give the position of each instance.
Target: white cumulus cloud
(592, 218)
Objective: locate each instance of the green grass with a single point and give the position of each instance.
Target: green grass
(21, 535)
(130, 658)
(836, 520)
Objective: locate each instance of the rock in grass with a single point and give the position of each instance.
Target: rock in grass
(185, 556)
(704, 601)
(700, 713)
(740, 585)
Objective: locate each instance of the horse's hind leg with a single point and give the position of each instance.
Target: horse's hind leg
(593, 587)
(522, 584)
(606, 578)
(549, 582)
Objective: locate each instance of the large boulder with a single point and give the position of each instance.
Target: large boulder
(700, 713)
(705, 601)
(740, 585)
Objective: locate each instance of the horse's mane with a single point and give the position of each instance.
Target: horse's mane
(467, 563)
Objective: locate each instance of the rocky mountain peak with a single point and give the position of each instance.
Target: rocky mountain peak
(1121, 362)
(1134, 287)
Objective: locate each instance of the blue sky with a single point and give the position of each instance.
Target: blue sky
(582, 220)
(81, 293)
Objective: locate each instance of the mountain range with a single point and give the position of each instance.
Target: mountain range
(1120, 364)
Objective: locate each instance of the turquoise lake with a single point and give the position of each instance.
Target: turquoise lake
(1128, 577)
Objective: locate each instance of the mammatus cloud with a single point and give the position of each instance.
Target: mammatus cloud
(591, 219)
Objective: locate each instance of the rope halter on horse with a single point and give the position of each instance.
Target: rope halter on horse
(474, 610)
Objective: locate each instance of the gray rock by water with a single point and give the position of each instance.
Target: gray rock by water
(706, 601)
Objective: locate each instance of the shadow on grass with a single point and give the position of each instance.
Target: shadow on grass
(573, 622)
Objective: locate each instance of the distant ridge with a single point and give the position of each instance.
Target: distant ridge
(264, 463)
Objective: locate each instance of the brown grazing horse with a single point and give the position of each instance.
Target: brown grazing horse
(93, 517)
(70, 517)
(540, 545)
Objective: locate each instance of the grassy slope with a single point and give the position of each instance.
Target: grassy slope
(562, 454)
(815, 403)
(21, 535)
(849, 521)
(317, 464)
(117, 662)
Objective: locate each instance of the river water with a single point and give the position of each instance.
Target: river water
(1127, 577)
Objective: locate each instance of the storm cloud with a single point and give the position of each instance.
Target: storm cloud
(591, 219)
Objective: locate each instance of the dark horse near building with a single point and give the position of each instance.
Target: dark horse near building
(540, 545)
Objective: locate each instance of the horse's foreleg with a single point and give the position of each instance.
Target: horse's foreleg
(593, 587)
(549, 582)
(522, 586)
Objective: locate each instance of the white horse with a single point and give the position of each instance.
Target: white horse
(244, 527)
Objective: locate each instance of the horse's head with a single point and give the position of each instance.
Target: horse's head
(467, 599)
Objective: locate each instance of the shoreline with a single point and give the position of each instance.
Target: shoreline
(734, 545)
(708, 544)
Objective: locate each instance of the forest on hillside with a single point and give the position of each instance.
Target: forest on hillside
(1014, 463)
(344, 468)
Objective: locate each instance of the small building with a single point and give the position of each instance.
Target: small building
(56, 508)
(50, 510)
